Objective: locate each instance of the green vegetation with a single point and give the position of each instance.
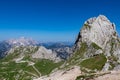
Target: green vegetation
(96, 62)
(81, 51)
(112, 60)
(79, 54)
(112, 66)
(114, 33)
(45, 66)
(112, 44)
(93, 63)
(10, 56)
(10, 70)
(83, 48)
(95, 46)
(87, 26)
(19, 50)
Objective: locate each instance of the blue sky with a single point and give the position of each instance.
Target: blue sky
(52, 20)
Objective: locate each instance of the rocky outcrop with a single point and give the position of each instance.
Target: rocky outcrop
(100, 36)
(43, 53)
(98, 30)
(35, 52)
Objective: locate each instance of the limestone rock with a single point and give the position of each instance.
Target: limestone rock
(98, 30)
(44, 53)
(101, 33)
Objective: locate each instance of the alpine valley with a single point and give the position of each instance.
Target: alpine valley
(95, 55)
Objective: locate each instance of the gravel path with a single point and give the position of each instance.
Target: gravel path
(63, 75)
(114, 75)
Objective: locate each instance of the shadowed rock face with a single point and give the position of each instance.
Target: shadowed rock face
(4, 47)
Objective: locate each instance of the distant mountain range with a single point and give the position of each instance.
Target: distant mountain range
(22, 42)
(51, 45)
(63, 49)
(6, 45)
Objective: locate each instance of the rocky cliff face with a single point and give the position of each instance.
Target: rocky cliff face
(43, 53)
(98, 36)
(98, 30)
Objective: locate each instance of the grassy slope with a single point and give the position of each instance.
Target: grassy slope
(9, 69)
(78, 55)
(96, 62)
(46, 66)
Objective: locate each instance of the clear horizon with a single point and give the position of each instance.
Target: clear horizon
(52, 20)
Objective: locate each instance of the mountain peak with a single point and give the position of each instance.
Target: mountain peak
(102, 17)
(98, 30)
(99, 37)
(97, 19)
(22, 41)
